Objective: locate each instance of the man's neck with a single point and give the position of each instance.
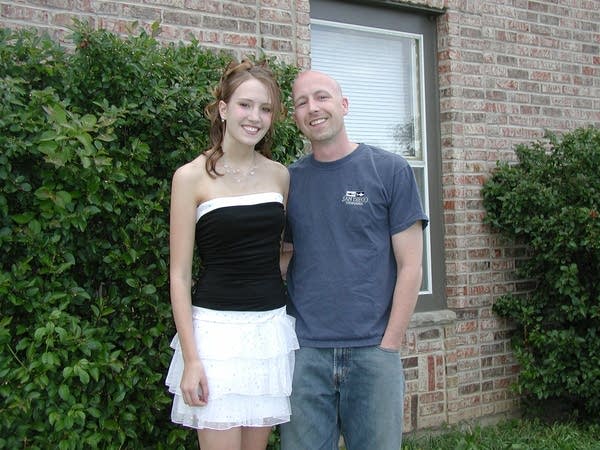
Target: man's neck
(332, 151)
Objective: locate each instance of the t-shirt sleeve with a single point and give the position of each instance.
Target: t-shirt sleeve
(406, 206)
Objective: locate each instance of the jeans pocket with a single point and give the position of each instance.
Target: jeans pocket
(388, 350)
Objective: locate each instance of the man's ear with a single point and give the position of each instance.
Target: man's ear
(345, 104)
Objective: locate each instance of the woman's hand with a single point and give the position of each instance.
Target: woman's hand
(194, 386)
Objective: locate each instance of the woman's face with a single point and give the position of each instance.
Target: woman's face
(248, 114)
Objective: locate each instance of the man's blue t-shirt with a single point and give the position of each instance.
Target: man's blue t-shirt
(340, 218)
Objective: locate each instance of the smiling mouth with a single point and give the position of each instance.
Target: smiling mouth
(317, 121)
(250, 129)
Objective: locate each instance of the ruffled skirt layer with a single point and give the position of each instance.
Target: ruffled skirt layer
(248, 357)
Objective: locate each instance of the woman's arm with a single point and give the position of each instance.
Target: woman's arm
(194, 386)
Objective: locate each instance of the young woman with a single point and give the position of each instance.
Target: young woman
(234, 349)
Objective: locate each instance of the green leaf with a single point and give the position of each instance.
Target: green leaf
(22, 219)
(149, 289)
(86, 140)
(63, 198)
(35, 227)
(48, 147)
(84, 377)
(67, 372)
(56, 113)
(64, 392)
(88, 121)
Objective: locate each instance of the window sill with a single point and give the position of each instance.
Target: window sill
(432, 318)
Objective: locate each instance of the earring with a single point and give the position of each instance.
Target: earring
(222, 120)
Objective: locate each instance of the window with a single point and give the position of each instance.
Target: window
(382, 66)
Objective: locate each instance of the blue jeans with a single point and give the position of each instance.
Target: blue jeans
(358, 392)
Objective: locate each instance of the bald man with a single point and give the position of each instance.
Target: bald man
(354, 243)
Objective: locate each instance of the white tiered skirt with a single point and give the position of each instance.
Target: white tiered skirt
(248, 358)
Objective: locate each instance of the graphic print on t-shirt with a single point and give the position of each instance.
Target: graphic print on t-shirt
(355, 198)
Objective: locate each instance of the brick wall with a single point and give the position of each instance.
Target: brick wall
(244, 27)
(507, 71)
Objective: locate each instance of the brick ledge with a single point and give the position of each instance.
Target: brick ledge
(431, 318)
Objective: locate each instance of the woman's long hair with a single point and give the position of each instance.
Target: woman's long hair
(234, 75)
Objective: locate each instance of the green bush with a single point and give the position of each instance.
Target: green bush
(89, 140)
(550, 201)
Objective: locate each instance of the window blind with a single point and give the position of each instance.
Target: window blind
(376, 70)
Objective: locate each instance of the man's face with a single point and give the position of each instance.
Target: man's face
(319, 107)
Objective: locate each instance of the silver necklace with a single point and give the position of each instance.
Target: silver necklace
(238, 174)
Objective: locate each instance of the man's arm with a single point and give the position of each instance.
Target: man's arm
(408, 251)
(287, 250)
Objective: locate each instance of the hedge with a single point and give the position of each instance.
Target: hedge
(90, 134)
(550, 202)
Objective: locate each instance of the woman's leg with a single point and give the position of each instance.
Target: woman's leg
(220, 439)
(255, 438)
(246, 438)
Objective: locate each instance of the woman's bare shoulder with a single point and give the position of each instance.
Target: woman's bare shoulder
(277, 173)
(192, 171)
(276, 167)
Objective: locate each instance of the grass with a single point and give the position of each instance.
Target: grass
(511, 435)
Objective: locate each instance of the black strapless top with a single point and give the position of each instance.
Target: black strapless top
(238, 241)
